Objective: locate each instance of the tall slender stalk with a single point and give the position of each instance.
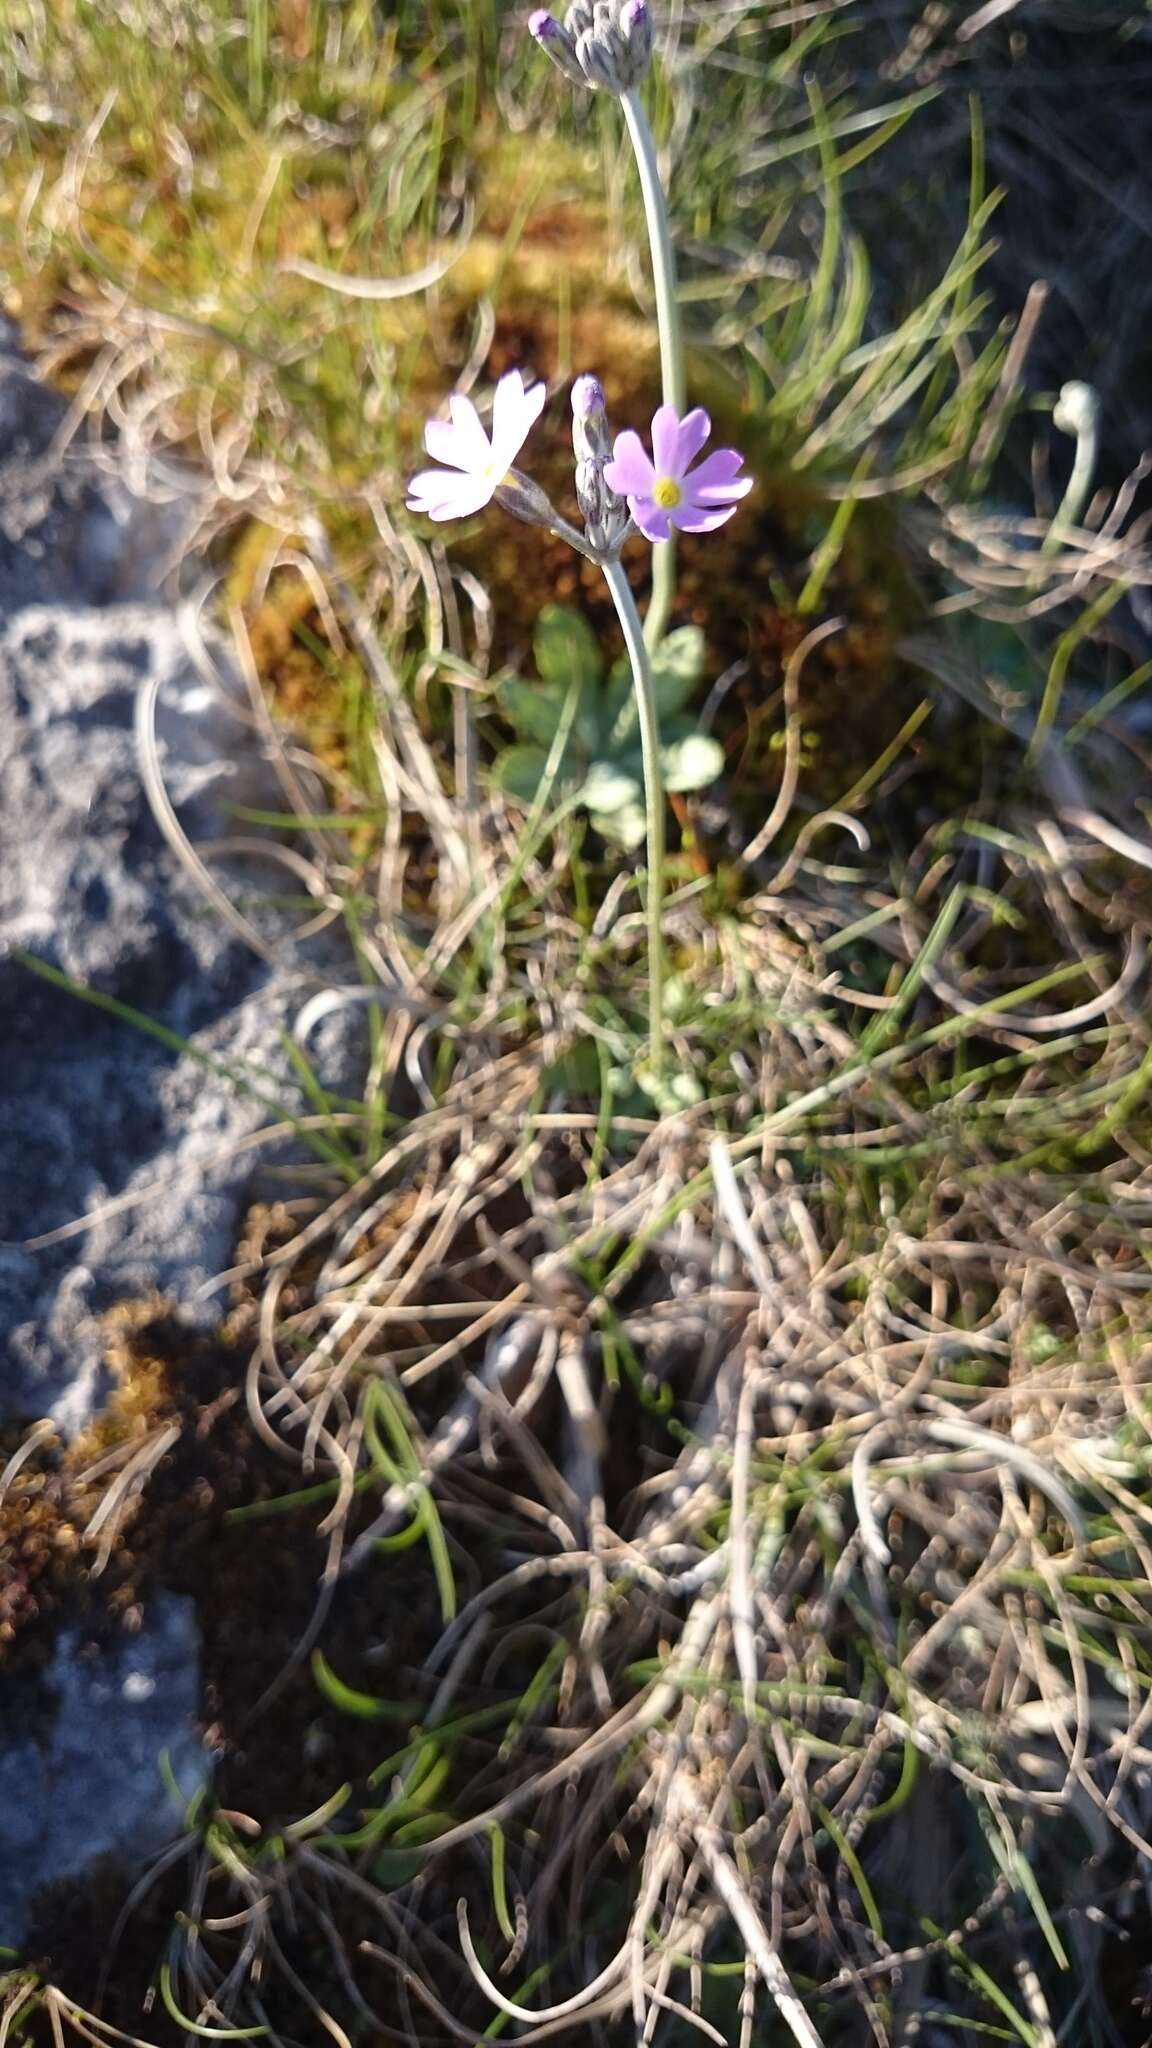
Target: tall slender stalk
(1077, 411)
(671, 336)
(634, 641)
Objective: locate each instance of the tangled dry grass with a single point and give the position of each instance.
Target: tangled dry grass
(781, 1469)
(883, 1578)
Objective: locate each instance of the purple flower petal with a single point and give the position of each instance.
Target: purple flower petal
(718, 497)
(692, 518)
(665, 440)
(442, 494)
(631, 466)
(676, 441)
(721, 468)
(651, 518)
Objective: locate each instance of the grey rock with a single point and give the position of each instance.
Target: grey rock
(80, 1750)
(72, 533)
(96, 1111)
(91, 1107)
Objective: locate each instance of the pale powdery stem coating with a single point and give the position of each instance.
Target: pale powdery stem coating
(640, 664)
(670, 329)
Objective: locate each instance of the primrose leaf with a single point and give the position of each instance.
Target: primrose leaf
(535, 709)
(519, 771)
(692, 763)
(619, 724)
(625, 827)
(609, 788)
(566, 648)
(677, 666)
(576, 1072)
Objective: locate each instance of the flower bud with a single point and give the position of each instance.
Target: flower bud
(591, 438)
(605, 515)
(557, 43)
(1077, 409)
(525, 500)
(636, 31)
(587, 395)
(598, 62)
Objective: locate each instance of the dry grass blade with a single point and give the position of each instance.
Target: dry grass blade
(726, 1879)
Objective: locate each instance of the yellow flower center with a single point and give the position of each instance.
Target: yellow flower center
(667, 492)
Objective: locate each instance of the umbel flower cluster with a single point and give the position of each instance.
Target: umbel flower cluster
(619, 486)
(607, 45)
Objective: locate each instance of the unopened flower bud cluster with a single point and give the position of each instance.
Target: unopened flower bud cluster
(605, 44)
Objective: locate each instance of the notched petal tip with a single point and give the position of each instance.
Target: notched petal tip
(473, 449)
(692, 433)
(718, 493)
(516, 407)
(442, 440)
(723, 466)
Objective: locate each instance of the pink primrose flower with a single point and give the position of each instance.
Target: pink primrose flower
(666, 492)
(478, 464)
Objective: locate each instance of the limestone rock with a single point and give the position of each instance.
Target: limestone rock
(92, 1107)
(80, 1746)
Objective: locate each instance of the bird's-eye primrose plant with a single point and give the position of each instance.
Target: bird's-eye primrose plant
(621, 488)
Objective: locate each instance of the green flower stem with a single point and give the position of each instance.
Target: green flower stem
(634, 640)
(671, 337)
(1079, 487)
